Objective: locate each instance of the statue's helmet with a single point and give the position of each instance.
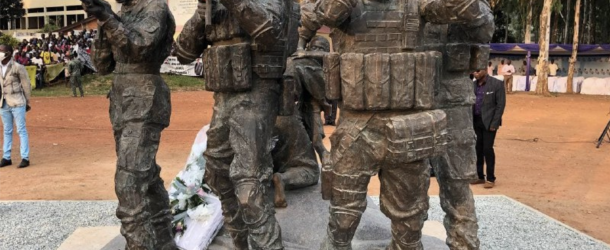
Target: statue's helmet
(319, 43)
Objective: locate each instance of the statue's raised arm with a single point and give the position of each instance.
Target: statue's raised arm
(474, 14)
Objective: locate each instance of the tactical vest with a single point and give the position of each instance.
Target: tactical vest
(391, 26)
(384, 63)
(233, 56)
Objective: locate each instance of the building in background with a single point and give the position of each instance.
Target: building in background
(60, 13)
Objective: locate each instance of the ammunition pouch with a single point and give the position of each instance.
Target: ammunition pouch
(383, 81)
(462, 57)
(332, 75)
(288, 98)
(416, 137)
(479, 56)
(327, 183)
(228, 68)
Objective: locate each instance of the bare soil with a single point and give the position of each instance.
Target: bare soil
(546, 156)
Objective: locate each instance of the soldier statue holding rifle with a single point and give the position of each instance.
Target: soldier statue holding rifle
(134, 44)
(250, 41)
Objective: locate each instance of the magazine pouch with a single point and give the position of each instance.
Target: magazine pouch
(332, 75)
(352, 81)
(479, 56)
(389, 81)
(228, 68)
(415, 137)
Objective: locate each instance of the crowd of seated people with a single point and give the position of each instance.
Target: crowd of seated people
(51, 49)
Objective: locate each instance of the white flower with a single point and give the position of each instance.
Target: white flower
(200, 213)
(182, 200)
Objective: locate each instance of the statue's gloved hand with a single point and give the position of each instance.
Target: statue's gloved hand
(302, 44)
(326, 107)
(483, 33)
(310, 24)
(97, 8)
(479, 30)
(202, 9)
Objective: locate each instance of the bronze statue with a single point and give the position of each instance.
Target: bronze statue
(456, 168)
(134, 44)
(390, 123)
(250, 41)
(294, 161)
(306, 71)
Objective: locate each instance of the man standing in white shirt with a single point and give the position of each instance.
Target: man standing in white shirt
(499, 69)
(553, 68)
(508, 70)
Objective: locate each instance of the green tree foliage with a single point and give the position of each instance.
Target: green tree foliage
(511, 21)
(8, 39)
(49, 28)
(11, 9)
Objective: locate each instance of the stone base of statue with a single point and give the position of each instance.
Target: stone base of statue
(305, 219)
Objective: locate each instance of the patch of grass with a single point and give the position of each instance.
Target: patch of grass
(183, 83)
(94, 84)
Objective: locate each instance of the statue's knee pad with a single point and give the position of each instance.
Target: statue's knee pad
(218, 180)
(407, 233)
(251, 199)
(343, 225)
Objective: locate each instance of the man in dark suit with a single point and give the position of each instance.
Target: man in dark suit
(488, 110)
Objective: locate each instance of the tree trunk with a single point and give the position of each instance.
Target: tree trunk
(584, 20)
(591, 29)
(574, 48)
(506, 33)
(565, 30)
(528, 24)
(542, 87)
(555, 32)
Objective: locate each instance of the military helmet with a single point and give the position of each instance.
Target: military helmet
(319, 43)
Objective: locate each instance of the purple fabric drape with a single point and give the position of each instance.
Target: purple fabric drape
(503, 47)
(527, 71)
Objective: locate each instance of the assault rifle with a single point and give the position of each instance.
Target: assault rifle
(106, 5)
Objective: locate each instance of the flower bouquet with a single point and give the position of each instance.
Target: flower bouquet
(197, 211)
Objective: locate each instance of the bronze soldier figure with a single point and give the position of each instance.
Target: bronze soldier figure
(134, 44)
(456, 168)
(309, 72)
(390, 124)
(294, 159)
(250, 41)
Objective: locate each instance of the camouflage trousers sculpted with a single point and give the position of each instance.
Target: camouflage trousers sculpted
(293, 156)
(139, 110)
(239, 164)
(454, 172)
(360, 150)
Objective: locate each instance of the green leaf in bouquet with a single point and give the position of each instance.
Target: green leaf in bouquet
(179, 185)
(179, 217)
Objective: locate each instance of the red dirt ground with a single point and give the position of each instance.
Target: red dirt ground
(562, 174)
